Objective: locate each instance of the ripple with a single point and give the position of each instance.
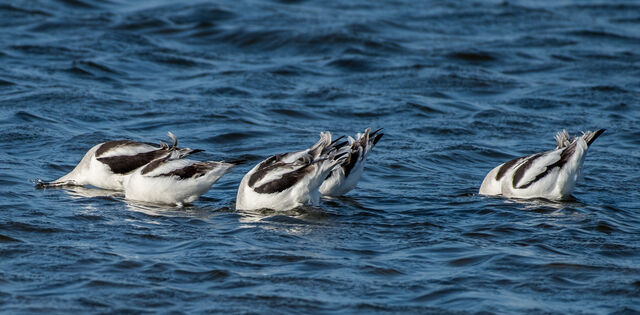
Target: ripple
(295, 113)
(599, 34)
(6, 83)
(171, 59)
(28, 227)
(188, 276)
(29, 117)
(13, 9)
(8, 239)
(439, 294)
(102, 284)
(351, 64)
(473, 56)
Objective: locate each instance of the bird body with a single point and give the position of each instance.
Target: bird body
(106, 164)
(285, 181)
(551, 174)
(171, 180)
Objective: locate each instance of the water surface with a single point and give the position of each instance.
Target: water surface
(458, 87)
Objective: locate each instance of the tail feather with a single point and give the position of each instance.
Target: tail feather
(377, 138)
(591, 136)
(334, 159)
(562, 139)
(319, 148)
(366, 141)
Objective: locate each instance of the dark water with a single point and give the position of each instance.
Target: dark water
(459, 87)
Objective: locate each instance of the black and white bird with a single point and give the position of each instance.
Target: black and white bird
(346, 177)
(285, 181)
(106, 164)
(173, 180)
(551, 175)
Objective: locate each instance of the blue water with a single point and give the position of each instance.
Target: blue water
(459, 88)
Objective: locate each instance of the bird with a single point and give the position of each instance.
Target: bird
(550, 175)
(105, 164)
(289, 180)
(346, 177)
(173, 180)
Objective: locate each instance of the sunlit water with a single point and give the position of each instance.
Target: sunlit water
(459, 88)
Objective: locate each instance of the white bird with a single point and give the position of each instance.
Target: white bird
(285, 181)
(346, 177)
(173, 180)
(551, 175)
(106, 164)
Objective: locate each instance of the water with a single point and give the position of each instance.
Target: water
(459, 88)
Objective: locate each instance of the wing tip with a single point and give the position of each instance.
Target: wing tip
(591, 136)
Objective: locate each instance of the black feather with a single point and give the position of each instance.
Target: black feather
(109, 145)
(595, 136)
(122, 164)
(505, 167)
(565, 156)
(264, 168)
(194, 170)
(283, 183)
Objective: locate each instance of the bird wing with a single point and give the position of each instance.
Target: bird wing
(279, 172)
(537, 166)
(123, 147)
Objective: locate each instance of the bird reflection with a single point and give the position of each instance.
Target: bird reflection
(77, 192)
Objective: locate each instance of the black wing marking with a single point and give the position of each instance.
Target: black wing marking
(283, 183)
(564, 158)
(505, 167)
(122, 164)
(522, 169)
(594, 136)
(108, 146)
(376, 137)
(264, 168)
(153, 165)
(194, 170)
(350, 162)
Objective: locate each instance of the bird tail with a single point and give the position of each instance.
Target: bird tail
(591, 136)
(563, 139)
(332, 159)
(321, 146)
(364, 142)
